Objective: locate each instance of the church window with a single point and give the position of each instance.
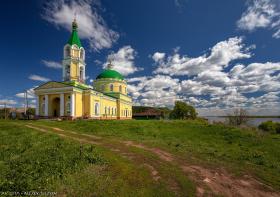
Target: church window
(111, 87)
(67, 51)
(109, 109)
(67, 70)
(82, 54)
(68, 108)
(96, 109)
(43, 108)
(105, 110)
(115, 111)
(125, 90)
(81, 73)
(120, 88)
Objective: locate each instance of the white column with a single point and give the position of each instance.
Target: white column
(37, 106)
(84, 74)
(62, 104)
(63, 73)
(46, 105)
(72, 102)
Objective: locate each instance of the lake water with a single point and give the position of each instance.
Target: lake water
(252, 121)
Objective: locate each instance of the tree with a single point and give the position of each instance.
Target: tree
(239, 117)
(183, 111)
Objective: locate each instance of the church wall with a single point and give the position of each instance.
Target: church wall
(125, 110)
(78, 104)
(125, 98)
(107, 83)
(74, 71)
(95, 99)
(108, 104)
(87, 105)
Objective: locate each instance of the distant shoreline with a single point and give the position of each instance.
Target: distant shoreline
(247, 116)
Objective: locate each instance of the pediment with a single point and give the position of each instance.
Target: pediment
(52, 84)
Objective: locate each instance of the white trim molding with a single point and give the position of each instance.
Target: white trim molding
(72, 102)
(62, 104)
(46, 105)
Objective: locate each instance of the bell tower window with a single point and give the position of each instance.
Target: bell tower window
(82, 54)
(81, 74)
(67, 51)
(67, 71)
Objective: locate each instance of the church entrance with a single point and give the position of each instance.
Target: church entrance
(56, 107)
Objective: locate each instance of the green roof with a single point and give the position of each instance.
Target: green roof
(74, 39)
(76, 84)
(110, 74)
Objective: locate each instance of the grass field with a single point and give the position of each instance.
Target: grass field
(132, 158)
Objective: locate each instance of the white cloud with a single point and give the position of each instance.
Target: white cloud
(261, 14)
(52, 64)
(211, 82)
(30, 93)
(91, 25)
(123, 61)
(220, 56)
(7, 102)
(38, 78)
(157, 57)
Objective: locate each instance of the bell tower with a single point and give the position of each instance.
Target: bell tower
(73, 64)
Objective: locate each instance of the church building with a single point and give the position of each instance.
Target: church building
(72, 98)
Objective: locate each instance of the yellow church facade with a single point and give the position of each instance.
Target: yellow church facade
(71, 98)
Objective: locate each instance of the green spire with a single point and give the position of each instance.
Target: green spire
(74, 39)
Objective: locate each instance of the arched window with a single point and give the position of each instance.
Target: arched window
(112, 111)
(81, 73)
(115, 111)
(109, 109)
(82, 54)
(105, 110)
(111, 87)
(96, 109)
(67, 51)
(125, 90)
(67, 71)
(120, 88)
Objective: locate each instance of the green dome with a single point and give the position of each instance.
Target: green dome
(110, 74)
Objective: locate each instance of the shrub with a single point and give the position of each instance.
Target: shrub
(183, 111)
(239, 117)
(270, 126)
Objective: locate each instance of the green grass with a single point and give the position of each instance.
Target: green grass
(35, 161)
(239, 150)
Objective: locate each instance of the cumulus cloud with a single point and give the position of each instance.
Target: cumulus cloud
(220, 56)
(123, 61)
(7, 102)
(30, 93)
(261, 14)
(91, 25)
(213, 82)
(52, 64)
(38, 78)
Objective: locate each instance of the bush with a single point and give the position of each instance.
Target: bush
(183, 111)
(270, 126)
(239, 117)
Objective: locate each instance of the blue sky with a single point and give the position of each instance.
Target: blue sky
(216, 55)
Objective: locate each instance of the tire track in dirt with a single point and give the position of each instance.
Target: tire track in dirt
(219, 181)
(117, 147)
